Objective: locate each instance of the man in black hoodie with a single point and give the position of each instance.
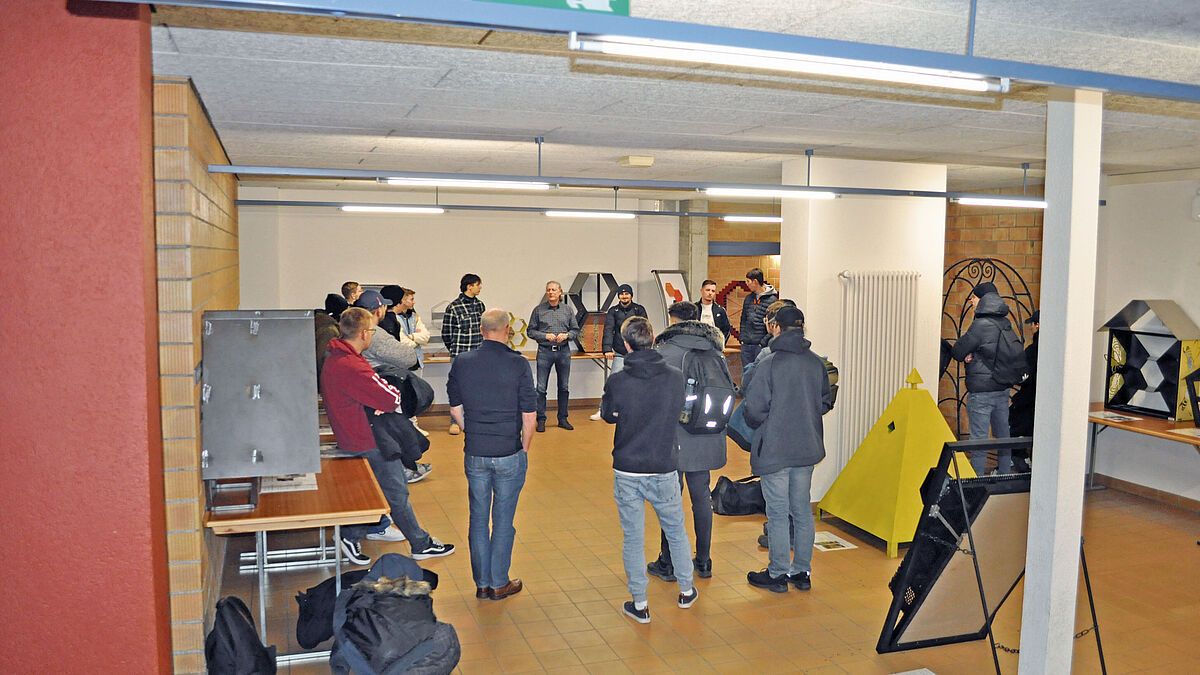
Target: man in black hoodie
(784, 404)
(644, 400)
(613, 346)
(987, 399)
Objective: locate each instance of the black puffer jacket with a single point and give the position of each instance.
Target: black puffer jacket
(697, 452)
(752, 330)
(612, 326)
(980, 342)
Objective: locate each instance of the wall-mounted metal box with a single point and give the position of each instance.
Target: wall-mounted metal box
(258, 410)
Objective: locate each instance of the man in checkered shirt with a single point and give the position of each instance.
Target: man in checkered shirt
(460, 324)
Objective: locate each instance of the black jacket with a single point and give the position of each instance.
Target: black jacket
(644, 401)
(981, 341)
(720, 318)
(754, 309)
(784, 405)
(612, 326)
(1020, 412)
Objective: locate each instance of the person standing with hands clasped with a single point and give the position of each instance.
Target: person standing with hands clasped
(643, 400)
(492, 399)
(553, 325)
(613, 346)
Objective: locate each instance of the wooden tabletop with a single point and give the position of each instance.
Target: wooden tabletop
(346, 494)
(1151, 426)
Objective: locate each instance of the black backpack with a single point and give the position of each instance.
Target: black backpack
(709, 392)
(233, 647)
(1009, 365)
(314, 622)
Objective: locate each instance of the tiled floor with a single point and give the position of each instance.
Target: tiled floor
(1143, 557)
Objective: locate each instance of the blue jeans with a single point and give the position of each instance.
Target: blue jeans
(394, 484)
(749, 353)
(493, 486)
(788, 492)
(662, 491)
(986, 408)
(560, 360)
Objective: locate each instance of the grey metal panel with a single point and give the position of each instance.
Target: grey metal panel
(259, 394)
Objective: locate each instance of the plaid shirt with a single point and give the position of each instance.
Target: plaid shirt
(460, 325)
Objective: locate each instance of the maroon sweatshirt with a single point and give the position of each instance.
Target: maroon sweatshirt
(348, 383)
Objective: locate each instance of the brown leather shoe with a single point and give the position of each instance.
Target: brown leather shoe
(511, 588)
(483, 593)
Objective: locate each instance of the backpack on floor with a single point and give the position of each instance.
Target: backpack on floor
(232, 646)
(709, 392)
(314, 621)
(1009, 366)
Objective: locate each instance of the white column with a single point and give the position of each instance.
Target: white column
(1073, 126)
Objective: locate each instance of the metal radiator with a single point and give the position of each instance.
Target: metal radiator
(879, 334)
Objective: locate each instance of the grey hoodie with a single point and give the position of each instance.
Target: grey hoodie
(699, 452)
(784, 405)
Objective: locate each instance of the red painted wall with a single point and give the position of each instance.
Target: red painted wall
(83, 543)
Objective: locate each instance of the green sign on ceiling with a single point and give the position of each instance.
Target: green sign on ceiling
(618, 7)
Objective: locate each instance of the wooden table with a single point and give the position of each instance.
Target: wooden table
(1150, 426)
(347, 494)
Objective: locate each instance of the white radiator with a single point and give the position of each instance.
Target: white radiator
(878, 346)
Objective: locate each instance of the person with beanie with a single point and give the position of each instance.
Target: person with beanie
(613, 346)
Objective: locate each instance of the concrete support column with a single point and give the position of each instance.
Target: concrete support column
(693, 244)
(1073, 126)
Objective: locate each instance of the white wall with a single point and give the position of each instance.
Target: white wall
(1149, 248)
(291, 257)
(819, 239)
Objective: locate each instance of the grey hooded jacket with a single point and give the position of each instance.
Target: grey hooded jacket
(784, 405)
(699, 452)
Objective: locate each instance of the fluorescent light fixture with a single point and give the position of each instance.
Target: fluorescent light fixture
(768, 194)
(1012, 203)
(615, 215)
(741, 57)
(466, 183)
(354, 208)
(752, 219)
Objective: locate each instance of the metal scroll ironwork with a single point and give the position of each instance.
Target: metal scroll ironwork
(961, 277)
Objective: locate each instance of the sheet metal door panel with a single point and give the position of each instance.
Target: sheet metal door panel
(259, 396)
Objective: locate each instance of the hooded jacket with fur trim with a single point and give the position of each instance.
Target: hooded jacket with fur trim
(699, 452)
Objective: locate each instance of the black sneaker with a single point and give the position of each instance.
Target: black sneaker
(802, 581)
(353, 552)
(764, 580)
(662, 570)
(638, 615)
(703, 568)
(435, 549)
(541, 425)
(686, 599)
(763, 542)
(563, 424)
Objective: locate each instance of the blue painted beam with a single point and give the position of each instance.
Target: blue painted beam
(489, 15)
(723, 248)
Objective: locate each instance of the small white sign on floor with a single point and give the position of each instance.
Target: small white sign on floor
(828, 541)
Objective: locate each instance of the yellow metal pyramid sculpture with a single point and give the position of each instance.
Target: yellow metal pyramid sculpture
(879, 490)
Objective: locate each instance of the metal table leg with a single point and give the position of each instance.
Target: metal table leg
(260, 555)
(1095, 432)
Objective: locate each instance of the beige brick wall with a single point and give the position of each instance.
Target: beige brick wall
(197, 247)
(1013, 236)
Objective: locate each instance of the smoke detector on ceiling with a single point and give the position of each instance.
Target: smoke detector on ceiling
(637, 161)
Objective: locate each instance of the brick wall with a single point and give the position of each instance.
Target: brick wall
(197, 249)
(1013, 236)
(729, 269)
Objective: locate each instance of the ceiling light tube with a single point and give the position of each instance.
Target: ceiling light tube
(1011, 203)
(752, 219)
(363, 208)
(615, 215)
(464, 183)
(768, 194)
(740, 57)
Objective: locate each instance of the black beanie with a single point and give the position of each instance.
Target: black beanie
(984, 288)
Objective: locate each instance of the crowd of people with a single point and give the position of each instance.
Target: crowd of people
(374, 345)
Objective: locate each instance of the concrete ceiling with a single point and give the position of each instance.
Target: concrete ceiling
(310, 91)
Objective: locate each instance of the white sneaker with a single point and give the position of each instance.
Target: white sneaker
(417, 427)
(595, 416)
(393, 533)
